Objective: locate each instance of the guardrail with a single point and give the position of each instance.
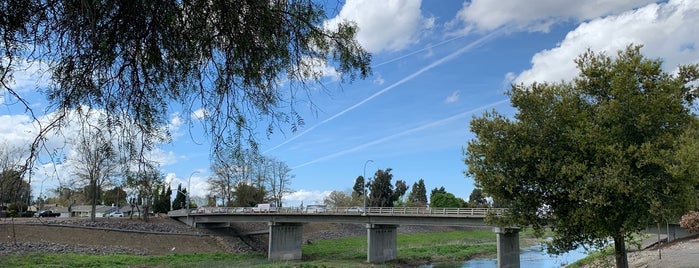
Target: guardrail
(408, 211)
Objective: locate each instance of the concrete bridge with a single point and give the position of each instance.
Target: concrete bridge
(286, 226)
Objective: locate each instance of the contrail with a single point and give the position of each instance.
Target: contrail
(390, 137)
(451, 56)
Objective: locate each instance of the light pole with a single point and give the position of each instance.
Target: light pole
(189, 190)
(365, 184)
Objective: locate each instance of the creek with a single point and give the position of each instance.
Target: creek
(530, 257)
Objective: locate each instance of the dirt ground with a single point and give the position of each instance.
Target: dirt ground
(149, 243)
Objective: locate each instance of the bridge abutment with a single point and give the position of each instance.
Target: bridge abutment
(381, 243)
(508, 247)
(285, 239)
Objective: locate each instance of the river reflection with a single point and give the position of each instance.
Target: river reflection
(531, 257)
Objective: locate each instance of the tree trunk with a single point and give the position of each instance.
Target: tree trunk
(620, 252)
(94, 200)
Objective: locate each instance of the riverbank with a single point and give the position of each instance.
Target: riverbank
(164, 243)
(679, 253)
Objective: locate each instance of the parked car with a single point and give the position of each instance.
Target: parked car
(47, 213)
(264, 208)
(315, 209)
(116, 214)
(356, 210)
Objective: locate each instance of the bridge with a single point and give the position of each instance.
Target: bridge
(286, 226)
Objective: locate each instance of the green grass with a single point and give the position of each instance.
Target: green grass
(346, 252)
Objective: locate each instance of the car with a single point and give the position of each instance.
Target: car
(116, 214)
(315, 209)
(355, 210)
(47, 213)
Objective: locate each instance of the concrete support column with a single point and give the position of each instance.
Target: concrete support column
(508, 247)
(285, 241)
(381, 243)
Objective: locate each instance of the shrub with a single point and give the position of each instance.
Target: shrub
(690, 221)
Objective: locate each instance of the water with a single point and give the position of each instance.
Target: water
(531, 257)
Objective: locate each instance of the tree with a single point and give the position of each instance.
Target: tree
(134, 59)
(144, 181)
(418, 195)
(445, 200)
(180, 198)
(248, 195)
(477, 199)
(279, 180)
(338, 199)
(94, 160)
(592, 159)
(116, 196)
(381, 192)
(436, 190)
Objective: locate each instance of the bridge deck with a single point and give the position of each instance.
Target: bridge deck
(393, 216)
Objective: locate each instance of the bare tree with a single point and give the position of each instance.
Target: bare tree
(94, 160)
(278, 180)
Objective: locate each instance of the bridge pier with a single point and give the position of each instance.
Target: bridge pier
(381, 242)
(508, 247)
(285, 239)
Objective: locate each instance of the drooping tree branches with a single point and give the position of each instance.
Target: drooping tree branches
(238, 63)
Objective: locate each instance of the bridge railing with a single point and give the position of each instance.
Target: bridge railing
(426, 211)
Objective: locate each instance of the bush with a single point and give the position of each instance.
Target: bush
(690, 221)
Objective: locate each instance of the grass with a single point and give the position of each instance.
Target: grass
(347, 252)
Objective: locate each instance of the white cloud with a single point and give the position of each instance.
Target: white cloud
(667, 31)
(389, 25)
(454, 97)
(306, 196)
(379, 80)
(176, 121)
(196, 183)
(535, 15)
(200, 114)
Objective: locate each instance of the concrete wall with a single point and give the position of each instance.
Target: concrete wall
(381, 243)
(285, 241)
(508, 247)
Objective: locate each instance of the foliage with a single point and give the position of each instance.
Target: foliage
(445, 200)
(180, 198)
(690, 221)
(418, 195)
(162, 204)
(248, 195)
(477, 199)
(144, 182)
(359, 188)
(436, 190)
(337, 199)
(12, 187)
(115, 196)
(594, 158)
(135, 59)
(382, 193)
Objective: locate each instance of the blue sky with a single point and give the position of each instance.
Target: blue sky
(436, 65)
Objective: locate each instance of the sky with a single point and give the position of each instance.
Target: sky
(436, 65)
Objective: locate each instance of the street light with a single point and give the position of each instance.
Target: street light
(365, 184)
(189, 190)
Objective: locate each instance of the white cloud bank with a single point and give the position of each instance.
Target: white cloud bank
(388, 25)
(535, 15)
(667, 31)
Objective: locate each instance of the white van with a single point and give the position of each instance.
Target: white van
(264, 208)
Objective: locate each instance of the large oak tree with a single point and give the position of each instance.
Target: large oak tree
(595, 158)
